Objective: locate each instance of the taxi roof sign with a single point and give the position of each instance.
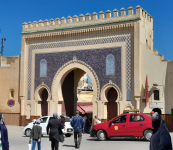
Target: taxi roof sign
(131, 111)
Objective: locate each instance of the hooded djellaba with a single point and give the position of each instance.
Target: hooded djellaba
(4, 135)
(56, 135)
(161, 139)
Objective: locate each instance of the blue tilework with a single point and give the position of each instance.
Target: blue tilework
(125, 38)
(96, 58)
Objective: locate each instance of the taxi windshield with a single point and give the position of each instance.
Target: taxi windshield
(121, 119)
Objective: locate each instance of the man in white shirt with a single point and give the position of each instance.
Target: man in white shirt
(99, 120)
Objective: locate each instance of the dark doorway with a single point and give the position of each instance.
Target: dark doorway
(44, 105)
(68, 105)
(112, 105)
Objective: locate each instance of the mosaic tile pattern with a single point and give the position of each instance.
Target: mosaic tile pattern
(125, 38)
(96, 58)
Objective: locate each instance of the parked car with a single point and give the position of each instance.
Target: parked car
(125, 125)
(68, 130)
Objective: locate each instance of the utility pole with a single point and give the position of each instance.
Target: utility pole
(2, 47)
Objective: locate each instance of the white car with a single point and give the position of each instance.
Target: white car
(68, 130)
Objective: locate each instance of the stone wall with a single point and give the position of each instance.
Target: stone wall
(9, 81)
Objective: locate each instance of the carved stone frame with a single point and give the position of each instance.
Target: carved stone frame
(64, 70)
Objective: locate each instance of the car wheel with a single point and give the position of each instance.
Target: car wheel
(148, 134)
(28, 132)
(101, 135)
(67, 135)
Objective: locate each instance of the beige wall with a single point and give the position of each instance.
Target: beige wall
(9, 79)
(153, 66)
(169, 88)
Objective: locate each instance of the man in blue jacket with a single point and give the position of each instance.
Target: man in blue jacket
(161, 139)
(77, 123)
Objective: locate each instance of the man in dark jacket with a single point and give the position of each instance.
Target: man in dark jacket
(161, 139)
(4, 135)
(77, 123)
(55, 135)
(36, 133)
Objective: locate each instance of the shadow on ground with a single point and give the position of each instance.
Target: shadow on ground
(120, 139)
(68, 145)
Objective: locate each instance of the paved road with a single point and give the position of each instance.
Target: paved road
(19, 142)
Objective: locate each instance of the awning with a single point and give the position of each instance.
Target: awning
(79, 109)
(87, 108)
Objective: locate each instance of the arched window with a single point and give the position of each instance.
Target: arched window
(11, 94)
(43, 68)
(156, 94)
(110, 64)
(128, 95)
(29, 95)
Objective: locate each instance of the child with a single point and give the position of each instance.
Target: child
(36, 133)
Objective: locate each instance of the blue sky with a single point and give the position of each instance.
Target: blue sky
(15, 12)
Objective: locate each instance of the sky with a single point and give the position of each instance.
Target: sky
(15, 12)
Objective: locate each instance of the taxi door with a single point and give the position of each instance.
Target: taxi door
(136, 125)
(118, 126)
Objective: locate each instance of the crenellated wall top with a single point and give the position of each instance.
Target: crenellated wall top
(100, 18)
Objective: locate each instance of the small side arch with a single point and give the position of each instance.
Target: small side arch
(106, 88)
(39, 90)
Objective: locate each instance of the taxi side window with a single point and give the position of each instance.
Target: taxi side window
(136, 118)
(121, 119)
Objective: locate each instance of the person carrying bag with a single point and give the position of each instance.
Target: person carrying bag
(29, 145)
(56, 135)
(36, 133)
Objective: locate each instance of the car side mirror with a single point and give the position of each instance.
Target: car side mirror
(110, 123)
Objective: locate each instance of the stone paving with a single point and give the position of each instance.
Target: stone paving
(20, 142)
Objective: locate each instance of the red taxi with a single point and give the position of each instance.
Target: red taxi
(125, 125)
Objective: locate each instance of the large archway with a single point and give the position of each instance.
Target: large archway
(112, 105)
(69, 92)
(64, 86)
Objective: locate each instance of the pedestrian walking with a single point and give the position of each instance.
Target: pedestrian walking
(77, 123)
(56, 135)
(2, 119)
(99, 120)
(3, 134)
(161, 139)
(84, 118)
(36, 133)
(88, 125)
(95, 120)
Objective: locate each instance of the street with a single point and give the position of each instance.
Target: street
(18, 141)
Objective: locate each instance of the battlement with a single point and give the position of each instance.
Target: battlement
(88, 19)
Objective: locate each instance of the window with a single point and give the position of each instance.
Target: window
(11, 94)
(43, 68)
(128, 95)
(110, 64)
(43, 120)
(136, 118)
(29, 95)
(156, 94)
(121, 119)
